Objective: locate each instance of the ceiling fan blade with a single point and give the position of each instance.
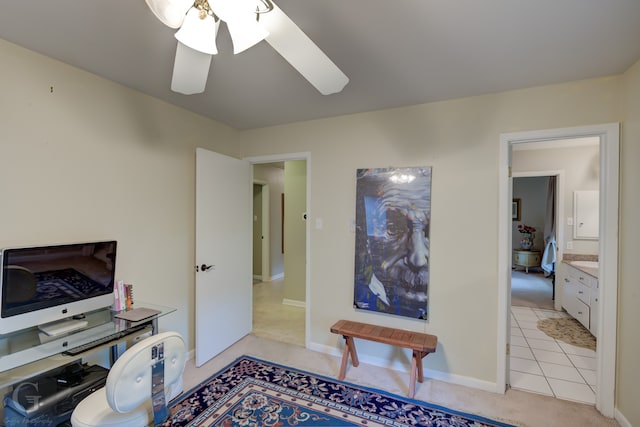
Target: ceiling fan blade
(170, 12)
(190, 70)
(302, 53)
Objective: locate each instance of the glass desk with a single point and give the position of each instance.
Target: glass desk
(29, 352)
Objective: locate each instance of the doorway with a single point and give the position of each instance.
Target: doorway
(548, 362)
(531, 285)
(608, 135)
(280, 305)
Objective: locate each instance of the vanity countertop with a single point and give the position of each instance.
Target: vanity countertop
(588, 267)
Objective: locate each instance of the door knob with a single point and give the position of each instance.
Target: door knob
(205, 267)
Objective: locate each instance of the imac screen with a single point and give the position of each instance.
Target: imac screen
(43, 277)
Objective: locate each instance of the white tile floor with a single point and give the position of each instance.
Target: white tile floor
(543, 365)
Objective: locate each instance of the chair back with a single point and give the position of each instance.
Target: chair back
(130, 379)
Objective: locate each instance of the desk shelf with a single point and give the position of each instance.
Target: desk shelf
(28, 353)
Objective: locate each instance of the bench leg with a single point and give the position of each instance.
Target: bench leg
(416, 368)
(418, 356)
(349, 349)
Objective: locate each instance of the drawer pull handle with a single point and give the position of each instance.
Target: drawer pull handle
(580, 292)
(579, 312)
(566, 280)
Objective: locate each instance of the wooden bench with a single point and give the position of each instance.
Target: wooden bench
(421, 344)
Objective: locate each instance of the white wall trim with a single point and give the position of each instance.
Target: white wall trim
(609, 135)
(294, 303)
(405, 367)
(277, 277)
(624, 422)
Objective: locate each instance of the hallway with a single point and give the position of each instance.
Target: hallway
(274, 320)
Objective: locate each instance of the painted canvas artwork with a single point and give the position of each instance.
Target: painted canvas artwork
(393, 212)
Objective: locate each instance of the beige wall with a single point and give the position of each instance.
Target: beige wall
(93, 159)
(628, 372)
(82, 158)
(295, 239)
(532, 192)
(581, 171)
(274, 177)
(460, 139)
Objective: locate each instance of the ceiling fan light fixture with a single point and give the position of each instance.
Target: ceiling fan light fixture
(190, 70)
(199, 32)
(245, 34)
(170, 12)
(241, 19)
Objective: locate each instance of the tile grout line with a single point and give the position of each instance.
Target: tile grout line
(562, 351)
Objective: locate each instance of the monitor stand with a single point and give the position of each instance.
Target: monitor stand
(62, 327)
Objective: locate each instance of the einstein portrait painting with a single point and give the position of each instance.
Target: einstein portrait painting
(393, 211)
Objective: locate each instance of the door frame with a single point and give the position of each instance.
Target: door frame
(273, 158)
(606, 351)
(265, 262)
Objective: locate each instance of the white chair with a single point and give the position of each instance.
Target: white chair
(125, 400)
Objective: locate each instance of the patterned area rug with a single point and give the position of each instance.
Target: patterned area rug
(252, 392)
(569, 330)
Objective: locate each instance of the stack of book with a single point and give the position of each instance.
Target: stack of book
(123, 294)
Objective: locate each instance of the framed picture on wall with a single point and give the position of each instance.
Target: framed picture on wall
(515, 210)
(393, 217)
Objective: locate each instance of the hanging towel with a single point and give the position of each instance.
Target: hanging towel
(549, 257)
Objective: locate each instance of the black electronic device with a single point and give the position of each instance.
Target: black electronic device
(48, 400)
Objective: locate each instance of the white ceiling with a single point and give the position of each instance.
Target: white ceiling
(396, 53)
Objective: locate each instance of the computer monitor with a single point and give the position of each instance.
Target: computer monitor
(45, 284)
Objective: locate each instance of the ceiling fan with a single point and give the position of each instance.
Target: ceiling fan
(248, 22)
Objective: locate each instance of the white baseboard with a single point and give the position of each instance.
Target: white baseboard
(294, 303)
(277, 276)
(624, 422)
(401, 367)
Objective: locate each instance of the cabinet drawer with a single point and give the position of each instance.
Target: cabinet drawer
(582, 277)
(584, 293)
(569, 300)
(582, 314)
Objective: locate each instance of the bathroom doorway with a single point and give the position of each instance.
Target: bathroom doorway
(608, 135)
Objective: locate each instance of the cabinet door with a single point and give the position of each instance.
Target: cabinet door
(584, 293)
(570, 296)
(586, 221)
(534, 259)
(583, 313)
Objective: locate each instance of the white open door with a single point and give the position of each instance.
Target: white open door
(223, 251)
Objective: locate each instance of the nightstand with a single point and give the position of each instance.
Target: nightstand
(526, 259)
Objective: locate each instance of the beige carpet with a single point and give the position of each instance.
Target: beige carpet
(531, 290)
(568, 330)
(516, 407)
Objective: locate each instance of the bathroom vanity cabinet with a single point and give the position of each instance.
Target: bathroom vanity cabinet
(580, 293)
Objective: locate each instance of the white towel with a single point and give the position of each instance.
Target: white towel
(549, 257)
